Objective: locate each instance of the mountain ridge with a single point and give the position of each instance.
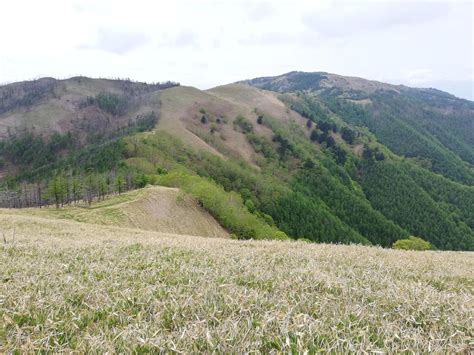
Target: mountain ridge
(313, 155)
(331, 78)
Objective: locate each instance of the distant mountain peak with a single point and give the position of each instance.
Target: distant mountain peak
(319, 82)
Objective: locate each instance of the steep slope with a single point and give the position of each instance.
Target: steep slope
(425, 124)
(183, 109)
(45, 119)
(74, 105)
(157, 208)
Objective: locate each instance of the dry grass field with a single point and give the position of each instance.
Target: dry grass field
(74, 286)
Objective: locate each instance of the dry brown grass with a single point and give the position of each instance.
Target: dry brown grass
(58, 114)
(154, 208)
(175, 113)
(75, 286)
(181, 117)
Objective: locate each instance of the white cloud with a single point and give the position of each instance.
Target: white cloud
(418, 76)
(212, 42)
(185, 38)
(258, 11)
(117, 41)
(351, 18)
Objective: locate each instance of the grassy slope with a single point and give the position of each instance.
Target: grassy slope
(176, 111)
(180, 117)
(179, 112)
(78, 286)
(53, 113)
(57, 114)
(155, 208)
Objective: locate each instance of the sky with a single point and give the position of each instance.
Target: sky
(205, 43)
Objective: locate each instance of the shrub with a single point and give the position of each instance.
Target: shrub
(227, 207)
(348, 135)
(314, 135)
(412, 243)
(213, 128)
(330, 142)
(244, 125)
(250, 205)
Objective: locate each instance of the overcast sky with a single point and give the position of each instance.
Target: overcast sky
(208, 43)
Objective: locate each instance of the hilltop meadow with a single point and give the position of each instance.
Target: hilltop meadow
(77, 286)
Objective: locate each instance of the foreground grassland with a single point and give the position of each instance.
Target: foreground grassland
(67, 285)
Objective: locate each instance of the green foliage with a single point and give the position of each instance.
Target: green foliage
(250, 206)
(296, 214)
(350, 207)
(412, 243)
(340, 154)
(57, 190)
(285, 147)
(298, 81)
(309, 218)
(455, 198)
(416, 131)
(450, 202)
(143, 122)
(120, 183)
(29, 151)
(26, 94)
(348, 135)
(142, 180)
(39, 158)
(213, 128)
(226, 207)
(391, 190)
(243, 124)
(264, 146)
(373, 153)
(114, 104)
(308, 107)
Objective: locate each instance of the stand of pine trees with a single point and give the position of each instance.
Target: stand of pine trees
(64, 190)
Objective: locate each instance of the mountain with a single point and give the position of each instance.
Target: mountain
(302, 155)
(81, 105)
(425, 124)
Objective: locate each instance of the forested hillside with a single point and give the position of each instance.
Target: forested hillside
(312, 155)
(433, 127)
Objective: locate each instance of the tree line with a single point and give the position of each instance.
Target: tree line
(63, 190)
